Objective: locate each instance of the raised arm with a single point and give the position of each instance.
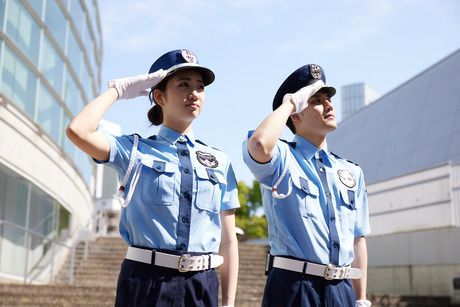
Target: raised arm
(82, 129)
(265, 137)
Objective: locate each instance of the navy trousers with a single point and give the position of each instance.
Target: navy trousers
(290, 289)
(141, 284)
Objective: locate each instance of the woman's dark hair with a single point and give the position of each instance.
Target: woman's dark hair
(155, 114)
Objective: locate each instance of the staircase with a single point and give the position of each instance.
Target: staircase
(95, 279)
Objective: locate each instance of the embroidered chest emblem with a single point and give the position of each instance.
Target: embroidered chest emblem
(346, 177)
(207, 159)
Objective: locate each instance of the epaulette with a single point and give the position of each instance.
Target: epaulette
(292, 144)
(203, 143)
(339, 157)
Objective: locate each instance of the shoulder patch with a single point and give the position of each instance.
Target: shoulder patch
(339, 157)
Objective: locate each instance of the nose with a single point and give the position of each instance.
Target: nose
(328, 105)
(193, 95)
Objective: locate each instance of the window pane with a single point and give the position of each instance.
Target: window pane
(74, 53)
(72, 95)
(77, 13)
(64, 223)
(23, 30)
(56, 22)
(37, 6)
(2, 12)
(16, 199)
(41, 215)
(86, 82)
(51, 65)
(18, 82)
(48, 113)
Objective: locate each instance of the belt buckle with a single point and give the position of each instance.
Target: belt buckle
(328, 272)
(182, 266)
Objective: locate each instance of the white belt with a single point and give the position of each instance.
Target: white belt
(329, 271)
(183, 263)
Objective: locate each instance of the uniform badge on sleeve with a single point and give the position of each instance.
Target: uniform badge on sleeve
(346, 177)
(207, 159)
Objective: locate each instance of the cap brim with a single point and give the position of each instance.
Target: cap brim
(329, 90)
(208, 75)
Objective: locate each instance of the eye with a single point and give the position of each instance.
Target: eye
(183, 84)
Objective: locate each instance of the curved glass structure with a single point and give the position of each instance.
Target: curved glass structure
(50, 60)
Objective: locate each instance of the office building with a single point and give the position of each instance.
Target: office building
(408, 145)
(50, 67)
(356, 96)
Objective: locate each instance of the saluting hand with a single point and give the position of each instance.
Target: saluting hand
(300, 98)
(131, 87)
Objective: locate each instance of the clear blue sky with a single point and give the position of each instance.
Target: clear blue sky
(253, 45)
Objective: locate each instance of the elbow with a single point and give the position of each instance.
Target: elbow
(259, 147)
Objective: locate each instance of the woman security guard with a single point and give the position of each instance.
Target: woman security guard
(180, 194)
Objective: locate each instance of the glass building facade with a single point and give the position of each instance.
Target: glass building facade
(50, 60)
(356, 96)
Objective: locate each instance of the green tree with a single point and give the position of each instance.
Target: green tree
(247, 218)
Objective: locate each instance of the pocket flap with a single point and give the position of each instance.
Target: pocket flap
(348, 197)
(159, 165)
(307, 186)
(210, 174)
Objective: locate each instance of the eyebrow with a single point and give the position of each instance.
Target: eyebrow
(188, 79)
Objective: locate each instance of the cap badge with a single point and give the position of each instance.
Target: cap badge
(346, 177)
(207, 159)
(189, 56)
(315, 71)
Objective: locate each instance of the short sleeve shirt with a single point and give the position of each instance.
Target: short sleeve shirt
(299, 223)
(151, 218)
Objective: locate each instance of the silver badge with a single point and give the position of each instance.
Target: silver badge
(346, 177)
(207, 159)
(315, 71)
(189, 56)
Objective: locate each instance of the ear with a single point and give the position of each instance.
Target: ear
(295, 118)
(159, 97)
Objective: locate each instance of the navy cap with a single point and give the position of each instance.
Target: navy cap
(176, 60)
(302, 77)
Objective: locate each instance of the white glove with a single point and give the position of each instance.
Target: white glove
(131, 87)
(363, 303)
(300, 98)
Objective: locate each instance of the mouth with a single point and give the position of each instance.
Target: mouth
(329, 116)
(193, 105)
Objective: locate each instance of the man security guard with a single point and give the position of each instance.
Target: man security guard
(315, 201)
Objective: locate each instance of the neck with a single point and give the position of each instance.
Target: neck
(182, 128)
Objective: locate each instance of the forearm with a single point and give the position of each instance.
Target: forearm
(360, 262)
(265, 137)
(82, 129)
(229, 272)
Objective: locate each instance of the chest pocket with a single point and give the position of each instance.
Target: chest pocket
(347, 208)
(209, 184)
(309, 192)
(158, 182)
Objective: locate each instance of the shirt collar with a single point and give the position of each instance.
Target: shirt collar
(306, 148)
(171, 136)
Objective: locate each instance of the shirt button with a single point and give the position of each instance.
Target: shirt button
(184, 153)
(336, 245)
(182, 246)
(321, 169)
(328, 194)
(186, 171)
(212, 176)
(187, 195)
(332, 219)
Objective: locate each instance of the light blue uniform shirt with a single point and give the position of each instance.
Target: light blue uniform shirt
(152, 217)
(298, 225)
